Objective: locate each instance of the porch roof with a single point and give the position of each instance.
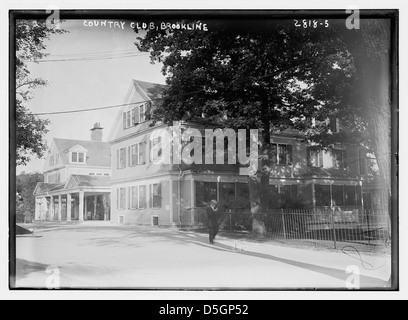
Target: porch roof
(74, 181)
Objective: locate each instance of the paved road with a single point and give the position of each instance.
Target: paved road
(87, 256)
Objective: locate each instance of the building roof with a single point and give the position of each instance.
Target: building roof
(99, 153)
(43, 187)
(91, 181)
(75, 181)
(153, 90)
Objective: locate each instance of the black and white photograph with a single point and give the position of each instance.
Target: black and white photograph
(196, 150)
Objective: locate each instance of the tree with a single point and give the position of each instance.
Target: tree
(30, 36)
(371, 48)
(260, 74)
(25, 200)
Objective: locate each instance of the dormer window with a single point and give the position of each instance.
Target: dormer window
(77, 157)
(77, 154)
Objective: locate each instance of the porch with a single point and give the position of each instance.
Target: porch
(82, 198)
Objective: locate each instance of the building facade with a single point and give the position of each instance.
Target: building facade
(149, 191)
(76, 183)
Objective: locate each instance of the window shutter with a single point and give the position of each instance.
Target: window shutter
(159, 194)
(151, 195)
(289, 154)
(124, 158)
(129, 156)
(150, 151)
(124, 120)
(117, 159)
(148, 111)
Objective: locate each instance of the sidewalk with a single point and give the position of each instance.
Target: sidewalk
(338, 261)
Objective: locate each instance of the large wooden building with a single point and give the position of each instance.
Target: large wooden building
(77, 178)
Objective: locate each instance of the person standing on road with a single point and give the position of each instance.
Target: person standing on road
(212, 219)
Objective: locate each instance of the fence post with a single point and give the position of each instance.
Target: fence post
(333, 228)
(368, 227)
(283, 224)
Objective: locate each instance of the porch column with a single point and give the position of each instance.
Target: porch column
(86, 208)
(81, 206)
(37, 209)
(51, 212)
(43, 208)
(69, 210)
(192, 193)
(94, 208)
(59, 208)
(104, 205)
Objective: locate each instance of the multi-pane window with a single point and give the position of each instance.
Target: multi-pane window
(205, 192)
(136, 115)
(350, 195)
(156, 149)
(78, 157)
(133, 197)
(339, 158)
(142, 153)
(142, 115)
(322, 195)
(155, 195)
(314, 158)
(281, 154)
(142, 197)
(133, 155)
(121, 158)
(338, 195)
(121, 197)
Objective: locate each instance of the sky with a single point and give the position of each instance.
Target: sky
(79, 79)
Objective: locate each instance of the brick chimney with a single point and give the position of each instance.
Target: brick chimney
(96, 132)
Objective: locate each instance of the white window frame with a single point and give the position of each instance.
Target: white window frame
(77, 157)
(156, 144)
(139, 197)
(141, 147)
(152, 195)
(318, 155)
(134, 204)
(119, 156)
(131, 154)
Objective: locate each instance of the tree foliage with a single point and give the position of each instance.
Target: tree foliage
(259, 74)
(25, 200)
(30, 36)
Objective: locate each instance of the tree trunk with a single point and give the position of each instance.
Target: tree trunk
(260, 191)
(370, 47)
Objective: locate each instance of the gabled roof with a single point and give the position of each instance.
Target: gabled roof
(152, 90)
(74, 181)
(43, 187)
(91, 181)
(98, 152)
(138, 92)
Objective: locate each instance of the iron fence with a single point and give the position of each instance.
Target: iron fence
(353, 225)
